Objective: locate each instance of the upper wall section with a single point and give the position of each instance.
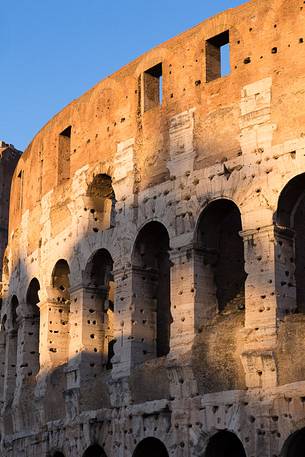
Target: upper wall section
(267, 39)
(9, 157)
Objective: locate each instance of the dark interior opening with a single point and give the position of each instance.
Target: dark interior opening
(290, 219)
(94, 451)
(101, 201)
(32, 299)
(61, 281)
(151, 285)
(218, 56)
(295, 445)
(225, 444)
(99, 280)
(14, 306)
(64, 151)
(152, 80)
(150, 447)
(221, 273)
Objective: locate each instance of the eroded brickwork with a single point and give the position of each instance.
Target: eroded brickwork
(153, 301)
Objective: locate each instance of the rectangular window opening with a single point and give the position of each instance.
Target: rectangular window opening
(64, 151)
(20, 189)
(218, 56)
(153, 87)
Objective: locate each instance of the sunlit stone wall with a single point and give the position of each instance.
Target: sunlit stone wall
(153, 300)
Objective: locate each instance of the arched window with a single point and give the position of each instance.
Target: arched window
(290, 247)
(32, 342)
(151, 291)
(150, 447)
(294, 445)
(94, 451)
(101, 202)
(219, 260)
(225, 444)
(101, 289)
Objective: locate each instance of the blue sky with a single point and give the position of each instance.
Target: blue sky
(52, 51)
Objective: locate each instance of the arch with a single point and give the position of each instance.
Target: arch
(224, 444)
(99, 282)
(94, 451)
(60, 279)
(290, 246)
(289, 199)
(150, 447)
(14, 306)
(219, 259)
(294, 445)
(98, 269)
(151, 290)
(33, 323)
(32, 297)
(101, 201)
(58, 311)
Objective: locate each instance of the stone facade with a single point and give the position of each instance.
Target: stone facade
(9, 157)
(153, 296)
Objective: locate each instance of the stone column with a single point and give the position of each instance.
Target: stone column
(186, 313)
(2, 365)
(123, 324)
(10, 366)
(285, 281)
(87, 318)
(27, 370)
(183, 300)
(261, 307)
(126, 344)
(54, 333)
(9, 380)
(88, 348)
(144, 316)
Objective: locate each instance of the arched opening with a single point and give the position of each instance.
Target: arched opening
(94, 451)
(151, 291)
(219, 260)
(101, 202)
(295, 445)
(33, 323)
(225, 444)
(61, 281)
(58, 309)
(150, 447)
(58, 454)
(290, 247)
(14, 306)
(100, 287)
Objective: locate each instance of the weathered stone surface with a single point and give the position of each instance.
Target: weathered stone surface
(153, 293)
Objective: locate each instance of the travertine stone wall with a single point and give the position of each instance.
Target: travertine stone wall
(157, 251)
(8, 159)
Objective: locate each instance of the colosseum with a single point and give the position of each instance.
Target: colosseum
(153, 274)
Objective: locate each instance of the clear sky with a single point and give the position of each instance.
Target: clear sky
(52, 51)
